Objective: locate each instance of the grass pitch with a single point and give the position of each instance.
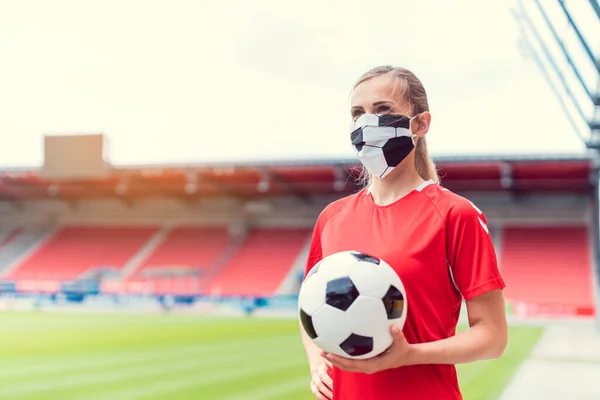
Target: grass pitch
(177, 357)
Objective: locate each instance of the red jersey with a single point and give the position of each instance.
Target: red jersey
(440, 246)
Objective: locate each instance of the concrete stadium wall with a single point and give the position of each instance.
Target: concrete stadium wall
(500, 210)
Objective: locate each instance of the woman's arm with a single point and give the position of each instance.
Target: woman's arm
(486, 338)
(313, 353)
(321, 384)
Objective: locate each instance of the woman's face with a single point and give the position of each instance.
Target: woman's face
(379, 95)
(376, 96)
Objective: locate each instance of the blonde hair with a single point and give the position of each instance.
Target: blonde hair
(410, 89)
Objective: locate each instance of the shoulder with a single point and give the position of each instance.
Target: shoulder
(450, 204)
(335, 207)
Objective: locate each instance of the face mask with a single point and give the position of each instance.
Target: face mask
(382, 141)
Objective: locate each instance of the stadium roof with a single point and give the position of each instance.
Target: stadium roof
(299, 178)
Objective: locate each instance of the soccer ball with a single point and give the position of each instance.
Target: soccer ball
(348, 302)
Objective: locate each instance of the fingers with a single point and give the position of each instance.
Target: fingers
(320, 389)
(326, 380)
(315, 391)
(342, 363)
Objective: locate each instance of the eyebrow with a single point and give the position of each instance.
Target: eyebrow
(377, 103)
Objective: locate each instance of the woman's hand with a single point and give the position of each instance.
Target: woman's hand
(321, 383)
(398, 354)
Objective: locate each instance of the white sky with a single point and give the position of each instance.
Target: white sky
(184, 80)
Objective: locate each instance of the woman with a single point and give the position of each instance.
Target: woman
(437, 241)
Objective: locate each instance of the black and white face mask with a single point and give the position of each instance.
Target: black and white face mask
(382, 141)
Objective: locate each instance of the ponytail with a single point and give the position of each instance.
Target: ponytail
(424, 164)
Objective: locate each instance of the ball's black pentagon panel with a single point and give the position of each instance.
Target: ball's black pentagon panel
(357, 345)
(393, 302)
(306, 321)
(341, 293)
(396, 149)
(365, 257)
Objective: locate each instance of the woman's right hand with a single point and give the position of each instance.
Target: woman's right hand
(321, 383)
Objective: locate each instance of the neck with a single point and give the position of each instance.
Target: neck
(394, 186)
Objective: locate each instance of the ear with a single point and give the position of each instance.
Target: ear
(423, 121)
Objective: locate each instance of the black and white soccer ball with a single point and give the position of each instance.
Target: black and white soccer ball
(348, 302)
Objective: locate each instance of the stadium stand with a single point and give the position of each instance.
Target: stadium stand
(173, 230)
(261, 264)
(75, 250)
(18, 243)
(549, 265)
(189, 247)
(181, 262)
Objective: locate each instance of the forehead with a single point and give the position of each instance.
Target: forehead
(382, 87)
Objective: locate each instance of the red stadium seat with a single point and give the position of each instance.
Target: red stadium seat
(262, 263)
(549, 266)
(73, 251)
(189, 248)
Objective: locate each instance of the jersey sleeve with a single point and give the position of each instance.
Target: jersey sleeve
(470, 251)
(315, 252)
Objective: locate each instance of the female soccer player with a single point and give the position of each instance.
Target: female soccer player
(437, 241)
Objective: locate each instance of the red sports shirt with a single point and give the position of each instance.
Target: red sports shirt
(440, 246)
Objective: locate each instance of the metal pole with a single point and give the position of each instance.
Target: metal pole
(584, 44)
(564, 49)
(525, 17)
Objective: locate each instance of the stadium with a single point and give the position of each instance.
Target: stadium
(171, 280)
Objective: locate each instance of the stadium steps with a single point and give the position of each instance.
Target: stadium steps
(181, 263)
(136, 262)
(7, 235)
(548, 266)
(235, 244)
(291, 283)
(24, 243)
(261, 264)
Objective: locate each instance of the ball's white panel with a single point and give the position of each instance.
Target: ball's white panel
(375, 280)
(331, 324)
(336, 265)
(367, 316)
(399, 322)
(381, 343)
(328, 347)
(375, 134)
(312, 293)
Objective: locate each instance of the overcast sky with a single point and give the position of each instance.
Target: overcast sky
(191, 80)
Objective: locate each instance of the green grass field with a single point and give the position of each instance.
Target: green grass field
(126, 357)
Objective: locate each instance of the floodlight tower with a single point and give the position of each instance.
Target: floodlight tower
(559, 36)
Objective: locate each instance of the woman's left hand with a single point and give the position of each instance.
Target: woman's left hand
(398, 354)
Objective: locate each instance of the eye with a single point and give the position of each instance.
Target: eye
(383, 109)
(357, 113)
